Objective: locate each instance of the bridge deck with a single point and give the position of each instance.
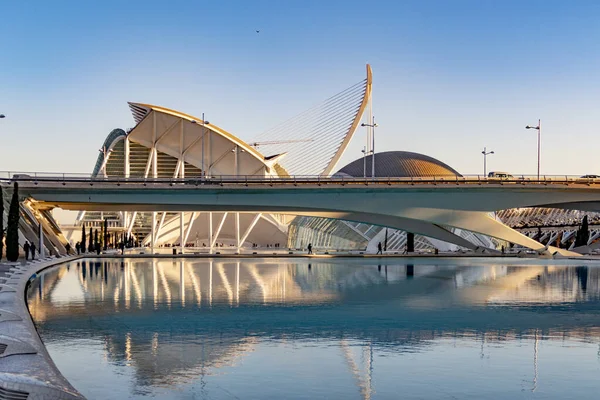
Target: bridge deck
(312, 181)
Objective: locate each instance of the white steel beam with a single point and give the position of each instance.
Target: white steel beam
(214, 240)
(249, 229)
(164, 134)
(131, 223)
(221, 157)
(160, 225)
(189, 229)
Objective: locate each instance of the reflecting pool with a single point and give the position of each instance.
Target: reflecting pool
(336, 328)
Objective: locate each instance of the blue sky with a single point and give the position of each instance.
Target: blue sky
(450, 77)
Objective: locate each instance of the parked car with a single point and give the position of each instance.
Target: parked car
(500, 175)
(591, 176)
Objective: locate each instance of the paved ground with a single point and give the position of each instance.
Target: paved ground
(26, 369)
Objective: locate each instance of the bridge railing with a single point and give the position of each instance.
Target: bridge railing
(247, 180)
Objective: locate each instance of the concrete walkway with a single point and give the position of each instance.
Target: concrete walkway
(26, 369)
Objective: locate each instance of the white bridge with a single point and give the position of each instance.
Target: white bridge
(426, 206)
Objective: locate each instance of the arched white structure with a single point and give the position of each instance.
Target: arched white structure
(166, 143)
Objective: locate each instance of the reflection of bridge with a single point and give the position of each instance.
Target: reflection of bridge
(218, 308)
(426, 206)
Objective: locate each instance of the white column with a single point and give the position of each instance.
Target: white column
(209, 151)
(154, 163)
(127, 163)
(235, 161)
(154, 152)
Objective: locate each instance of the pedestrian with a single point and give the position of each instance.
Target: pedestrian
(502, 249)
(68, 248)
(78, 248)
(379, 248)
(32, 248)
(310, 248)
(26, 250)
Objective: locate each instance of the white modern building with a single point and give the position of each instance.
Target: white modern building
(165, 143)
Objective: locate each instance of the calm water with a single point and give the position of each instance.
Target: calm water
(339, 329)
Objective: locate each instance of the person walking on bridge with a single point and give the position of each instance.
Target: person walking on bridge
(379, 248)
(32, 248)
(26, 250)
(310, 248)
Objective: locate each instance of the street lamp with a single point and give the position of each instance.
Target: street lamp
(485, 154)
(204, 123)
(539, 129)
(373, 126)
(364, 151)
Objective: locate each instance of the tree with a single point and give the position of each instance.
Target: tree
(96, 242)
(410, 242)
(386, 240)
(82, 244)
(91, 242)
(1, 223)
(12, 229)
(583, 233)
(105, 236)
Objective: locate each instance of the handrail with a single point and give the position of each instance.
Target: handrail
(7, 177)
(247, 180)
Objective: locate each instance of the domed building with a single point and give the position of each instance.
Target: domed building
(332, 234)
(399, 164)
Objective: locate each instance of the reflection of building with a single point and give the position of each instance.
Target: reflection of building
(175, 321)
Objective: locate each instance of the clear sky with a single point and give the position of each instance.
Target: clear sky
(450, 77)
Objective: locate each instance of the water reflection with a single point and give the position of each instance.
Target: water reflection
(177, 324)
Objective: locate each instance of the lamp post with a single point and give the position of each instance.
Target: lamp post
(373, 125)
(204, 123)
(539, 129)
(485, 154)
(364, 151)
